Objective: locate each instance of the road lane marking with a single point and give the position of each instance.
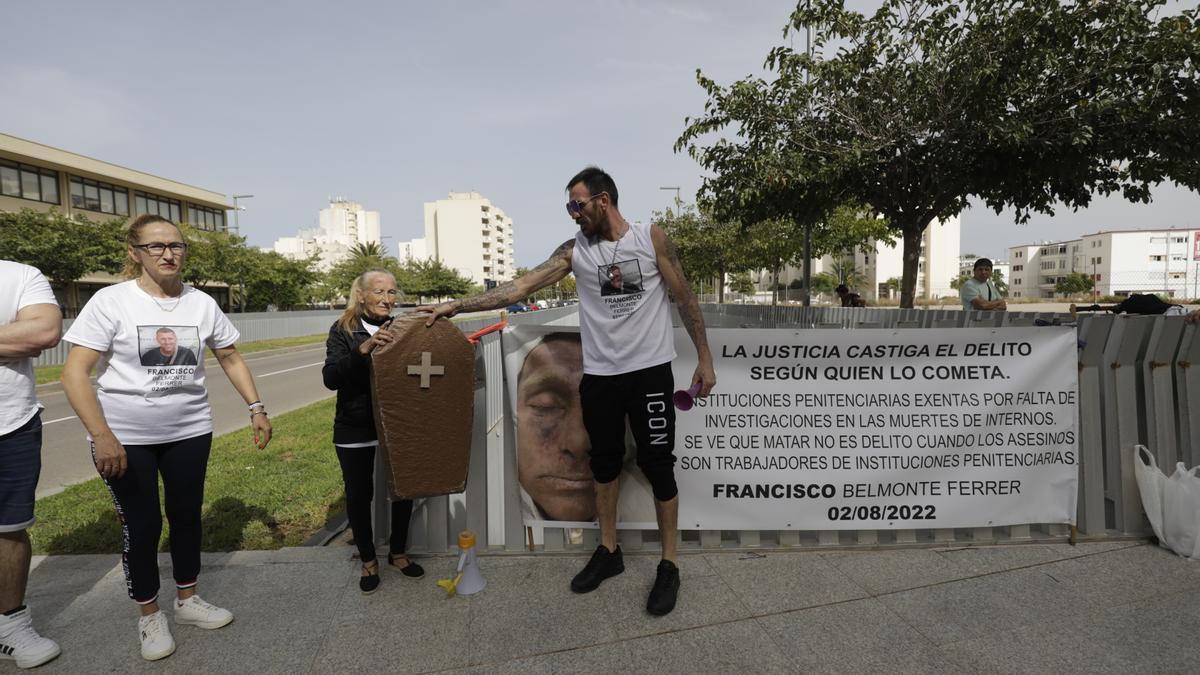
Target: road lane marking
(288, 370)
(277, 372)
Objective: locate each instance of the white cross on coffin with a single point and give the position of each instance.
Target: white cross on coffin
(426, 369)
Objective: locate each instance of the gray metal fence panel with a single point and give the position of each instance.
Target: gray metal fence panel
(1115, 379)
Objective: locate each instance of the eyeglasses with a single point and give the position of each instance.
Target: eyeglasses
(575, 206)
(157, 249)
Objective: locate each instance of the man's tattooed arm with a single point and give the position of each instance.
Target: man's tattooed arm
(557, 266)
(689, 308)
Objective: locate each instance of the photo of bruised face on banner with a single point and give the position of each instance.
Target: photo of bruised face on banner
(542, 368)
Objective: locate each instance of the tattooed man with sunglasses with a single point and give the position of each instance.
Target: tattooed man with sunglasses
(628, 346)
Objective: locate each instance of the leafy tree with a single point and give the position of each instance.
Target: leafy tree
(273, 279)
(431, 278)
(63, 248)
(708, 248)
(362, 258)
(847, 273)
(892, 284)
(928, 103)
(741, 284)
(824, 283)
(567, 287)
(1074, 284)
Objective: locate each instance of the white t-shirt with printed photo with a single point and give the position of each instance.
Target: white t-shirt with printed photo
(20, 286)
(150, 377)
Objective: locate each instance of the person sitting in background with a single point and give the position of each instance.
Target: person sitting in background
(849, 299)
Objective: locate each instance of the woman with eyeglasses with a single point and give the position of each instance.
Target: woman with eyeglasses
(352, 338)
(149, 416)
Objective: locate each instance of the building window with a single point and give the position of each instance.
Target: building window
(93, 195)
(1180, 240)
(28, 182)
(205, 218)
(155, 205)
(1097, 276)
(1156, 258)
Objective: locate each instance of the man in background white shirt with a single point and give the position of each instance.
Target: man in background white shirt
(29, 323)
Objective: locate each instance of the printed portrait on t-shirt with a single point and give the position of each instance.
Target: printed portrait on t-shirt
(620, 278)
(170, 354)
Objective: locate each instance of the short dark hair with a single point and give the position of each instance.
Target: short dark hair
(841, 289)
(597, 181)
(982, 262)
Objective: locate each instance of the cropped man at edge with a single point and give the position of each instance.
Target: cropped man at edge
(29, 323)
(628, 347)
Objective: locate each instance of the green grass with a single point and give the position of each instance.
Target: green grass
(44, 374)
(253, 499)
(263, 345)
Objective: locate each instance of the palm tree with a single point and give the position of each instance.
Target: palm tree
(847, 273)
(370, 249)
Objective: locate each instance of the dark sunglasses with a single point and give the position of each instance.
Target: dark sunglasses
(575, 206)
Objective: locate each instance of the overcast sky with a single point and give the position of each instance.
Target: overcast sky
(393, 104)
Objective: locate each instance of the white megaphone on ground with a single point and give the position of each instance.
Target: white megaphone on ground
(468, 580)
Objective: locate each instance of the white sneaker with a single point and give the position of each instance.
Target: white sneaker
(20, 642)
(196, 612)
(157, 642)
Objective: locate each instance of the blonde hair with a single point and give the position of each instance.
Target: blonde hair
(133, 236)
(354, 301)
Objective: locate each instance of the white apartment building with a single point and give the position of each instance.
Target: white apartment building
(938, 265)
(469, 234)
(339, 228)
(1121, 262)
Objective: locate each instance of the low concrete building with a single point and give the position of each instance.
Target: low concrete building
(41, 177)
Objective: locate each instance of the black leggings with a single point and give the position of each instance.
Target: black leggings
(358, 473)
(183, 465)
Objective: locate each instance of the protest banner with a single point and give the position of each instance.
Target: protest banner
(881, 429)
(824, 430)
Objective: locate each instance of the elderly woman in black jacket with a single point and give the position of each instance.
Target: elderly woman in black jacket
(347, 370)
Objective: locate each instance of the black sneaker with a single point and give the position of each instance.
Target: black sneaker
(602, 566)
(666, 589)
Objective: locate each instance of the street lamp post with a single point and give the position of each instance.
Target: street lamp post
(679, 207)
(678, 200)
(237, 228)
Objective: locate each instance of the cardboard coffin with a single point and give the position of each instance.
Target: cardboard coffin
(423, 385)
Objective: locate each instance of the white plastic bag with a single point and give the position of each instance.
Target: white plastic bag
(1172, 504)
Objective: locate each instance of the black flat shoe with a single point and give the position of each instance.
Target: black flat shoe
(369, 583)
(412, 570)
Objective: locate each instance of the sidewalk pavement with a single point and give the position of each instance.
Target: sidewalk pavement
(1123, 606)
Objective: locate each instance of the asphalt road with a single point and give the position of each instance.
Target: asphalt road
(287, 379)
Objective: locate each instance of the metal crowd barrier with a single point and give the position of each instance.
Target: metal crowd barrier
(1136, 385)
